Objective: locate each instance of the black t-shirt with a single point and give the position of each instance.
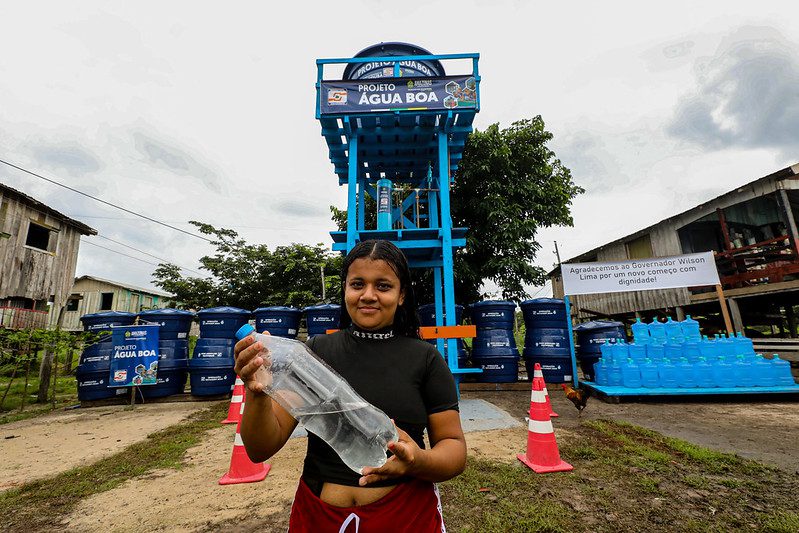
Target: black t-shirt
(406, 378)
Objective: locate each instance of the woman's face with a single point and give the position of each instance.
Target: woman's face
(372, 293)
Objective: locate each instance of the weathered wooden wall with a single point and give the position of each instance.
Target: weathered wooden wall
(27, 272)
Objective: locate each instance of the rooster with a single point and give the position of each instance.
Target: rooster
(579, 397)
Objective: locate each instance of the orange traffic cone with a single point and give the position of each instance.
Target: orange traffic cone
(542, 450)
(539, 375)
(242, 470)
(234, 412)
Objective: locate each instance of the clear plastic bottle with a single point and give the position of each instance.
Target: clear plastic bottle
(323, 402)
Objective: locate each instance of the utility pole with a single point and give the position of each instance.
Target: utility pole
(557, 253)
(322, 271)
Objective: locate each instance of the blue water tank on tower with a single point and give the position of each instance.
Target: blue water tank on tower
(408, 69)
(279, 321)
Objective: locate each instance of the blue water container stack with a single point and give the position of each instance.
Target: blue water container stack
(211, 365)
(279, 321)
(494, 349)
(320, 318)
(95, 361)
(590, 338)
(677, 356)
(427, 317)
(547, 340)
(173, 350)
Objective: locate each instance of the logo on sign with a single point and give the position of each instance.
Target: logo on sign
(121, 376)
(336, 96)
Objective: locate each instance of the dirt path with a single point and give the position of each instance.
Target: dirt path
(42, 446)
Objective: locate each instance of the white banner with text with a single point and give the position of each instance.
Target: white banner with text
(691, 270)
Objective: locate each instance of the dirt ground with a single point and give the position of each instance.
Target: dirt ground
(191, 500)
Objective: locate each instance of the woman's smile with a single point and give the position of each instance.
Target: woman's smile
(372, 293)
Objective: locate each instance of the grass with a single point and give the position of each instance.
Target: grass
(66, 394)
(38, 505)
(626, 478)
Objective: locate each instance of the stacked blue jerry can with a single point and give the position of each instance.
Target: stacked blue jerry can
(547, 341)
(278, 320)
(211, 364)
(674, 355)
(494, 348)
(95, 361)
(173, 350)
(427, 317)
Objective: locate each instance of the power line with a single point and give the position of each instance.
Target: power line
(145, 253)
(104, 202)
(120, 253)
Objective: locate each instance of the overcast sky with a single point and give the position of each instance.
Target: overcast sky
(205, 111)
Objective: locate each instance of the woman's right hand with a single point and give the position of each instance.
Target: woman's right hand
(251, 356)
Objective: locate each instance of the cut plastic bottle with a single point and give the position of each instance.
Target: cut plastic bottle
(323, 402)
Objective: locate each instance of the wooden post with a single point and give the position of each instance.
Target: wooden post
(789, 316)
(724, 312)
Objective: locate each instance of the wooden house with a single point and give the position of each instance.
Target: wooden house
(93, 295)
(38, 255)
(752, 231)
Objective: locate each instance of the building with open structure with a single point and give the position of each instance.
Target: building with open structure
(38, 257)
(94, 295)
(753, 234)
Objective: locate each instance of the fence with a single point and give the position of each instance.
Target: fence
(16, 318)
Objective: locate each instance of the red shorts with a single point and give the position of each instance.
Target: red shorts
(413, 506)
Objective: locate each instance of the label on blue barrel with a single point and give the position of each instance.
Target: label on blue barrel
(134, 359)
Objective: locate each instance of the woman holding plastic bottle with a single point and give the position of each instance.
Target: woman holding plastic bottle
(379, 352)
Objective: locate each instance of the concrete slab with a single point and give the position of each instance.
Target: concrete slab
(476, 415)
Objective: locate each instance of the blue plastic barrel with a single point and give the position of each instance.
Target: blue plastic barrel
(214, 349)
(494, 343)
(221, 322)
(175, 323)
(170, 379)
(178, 349)
(544, 313)
(550, 348)
(493, 314)
(497, 369)
(211, 376)
(101, 323)
(554, 369)
(97, 359)
(279, 320)
(93, 384)
(592, 335)
(320, 318)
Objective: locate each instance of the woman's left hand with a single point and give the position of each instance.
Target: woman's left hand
(405, 460)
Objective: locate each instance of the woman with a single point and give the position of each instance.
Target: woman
(378, 351)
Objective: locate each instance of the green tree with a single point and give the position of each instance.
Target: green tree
(250, 275)
(509, 184)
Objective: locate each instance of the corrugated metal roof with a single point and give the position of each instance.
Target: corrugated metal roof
(134, 288)
(33, 202)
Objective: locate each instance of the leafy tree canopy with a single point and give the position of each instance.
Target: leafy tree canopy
(250, 275)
